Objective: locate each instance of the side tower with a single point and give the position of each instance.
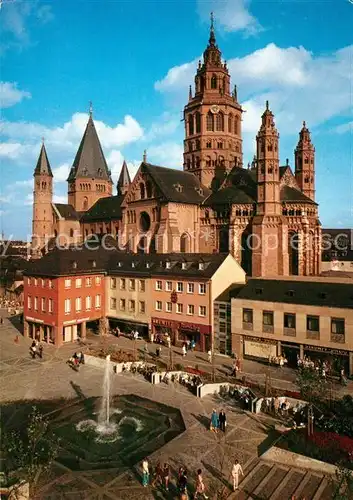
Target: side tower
(213, 144)
(89, 178)
(304, 155)
(270, 231)
(42, 222)
(124, 180)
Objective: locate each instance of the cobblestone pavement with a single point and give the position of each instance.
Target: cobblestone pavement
(246, 438)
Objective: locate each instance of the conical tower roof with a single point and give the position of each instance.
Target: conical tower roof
(124, 180)
(43, 165)
(90, 161)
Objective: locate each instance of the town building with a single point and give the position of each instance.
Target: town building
(264, 214)
(337, 251)
(295, 318)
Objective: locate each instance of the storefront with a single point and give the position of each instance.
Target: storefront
(291, 352)
(127, 327)
(259, 348)
(180, 332)
(337, 359)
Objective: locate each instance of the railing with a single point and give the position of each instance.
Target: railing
(313, 335)
(267, 328)
(338, 337)
(248, 326)
(290, 332)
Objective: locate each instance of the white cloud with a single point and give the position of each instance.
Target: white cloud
(45, 14)
(11, 95)
(59, 198)
(167, 154)
(61, 173)
(26, 183)
(115, 161)
(16, 150)
(345, 127)
(166, 124)
(177, 78)
(233, 15)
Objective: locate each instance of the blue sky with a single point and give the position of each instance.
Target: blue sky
(135, 61)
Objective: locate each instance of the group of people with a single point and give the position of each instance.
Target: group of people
(36, 349)
(278, 360)
(188, 345)
(76, 360)
(161, 476)
(218, 421)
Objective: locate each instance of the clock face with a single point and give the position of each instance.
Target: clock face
(214, 109)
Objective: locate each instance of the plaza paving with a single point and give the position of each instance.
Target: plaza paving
(246, 438)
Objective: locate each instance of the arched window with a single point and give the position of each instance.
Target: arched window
(210, 121)
(213, 82)
(185, 243)
(142, 190)
(148, 189)
(197, 161)
(236, 125)
(191, 124)
(198, 122)
(230, 123)
(220, 122)
(208, 161)
(85, 203)
(202, 83)
(188, 163)
(71, 233)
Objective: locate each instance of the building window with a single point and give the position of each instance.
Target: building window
(78, 304)
(50, 305)
(42, 283)
(247, 319)
(98, 280)
(180, 287)
(158, 305)
(210, 121)
(202, 288)
(50, 283)
(29, 302)
(88, 303)
(122, 284)
(132, 285)
(213, 82)
(122, 304)
(142, 285)
(67, 283)
(29, 281)
(35, 282)
(113, 303)
(131, 305)
(179, 308)
(98, 301)
(267, 321)
(67, 306)
(191, 309)
(168, 286)
(313, 323)
(168, 307)
(202, 311)
(289, 320)
(159, 285)
(88, 282)
(220, 122)
(337, 330)
(113, 283)
(190, 287)
(78, 282)
(36, 303)
(142, 307)
(43, 304)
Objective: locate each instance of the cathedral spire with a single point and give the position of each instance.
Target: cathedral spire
(124, 180)
(43, 165)
(305, 163)
(212, 39)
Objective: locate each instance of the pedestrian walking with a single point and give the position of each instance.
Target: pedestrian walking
(166, 473)
(145, 473)
(157, 476)
(236, 470)
(200, 485)
(209, 354)
(40, 350)
(222, 420)
(183, 482)
(214, 421)
(33, 349)
(184, 349)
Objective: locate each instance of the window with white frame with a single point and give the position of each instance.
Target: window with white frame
(36, 303)
(191, 309)
(43, 283)
(158, 305)
(28, 281)
(50, 283)
(202, 311)
(190, 287)
(43, 304)
(158, 285)
(78, 304)
(98, 301)
(35, 282)
(142, 307)
(168, 286)
(142, 285)
(50, 305)
(67, 306)
(179, 308)
(168, 307)
(98, 280)
(112, 303)
(122, 304)
(122, 284)
(132, 285)
(180, 287)
(88, 281)
(88, 303)
(202, 288)
(29, 302)
(113, 283)
(132, 305)
(78, 282)
(67, 283)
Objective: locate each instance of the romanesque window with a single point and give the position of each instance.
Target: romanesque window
(270, 170)
(71, 233)
(208, 161)
(306, 161)
(142, 190)
(221, 161)
(214, 82)
(85, 203)
(306, 180)
(208, 144)
(220, 122)
(197, 161)
(269, 147)
(220, 145)
(210, 121)
(236, 125)
(230, 123)
(191, 124)
(198, 122)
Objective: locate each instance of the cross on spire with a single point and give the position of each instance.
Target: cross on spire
(212, 40)
(90, 109)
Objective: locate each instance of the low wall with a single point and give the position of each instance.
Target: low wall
(280, 456)
(115, 367)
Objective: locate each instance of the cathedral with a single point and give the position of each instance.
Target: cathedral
(264, 213)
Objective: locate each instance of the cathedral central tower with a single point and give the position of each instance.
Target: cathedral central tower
(213, 144)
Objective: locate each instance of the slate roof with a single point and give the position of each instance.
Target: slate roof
(290, 194)
(43, 165)
(107, 208)
(124, 180)
(90, 161)
(67, 211)
(176, 185)
(312, 293)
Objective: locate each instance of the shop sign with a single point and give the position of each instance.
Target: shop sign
(162, 322)
(338, 352)
(259, 349)
(258, 339)
(190, 326)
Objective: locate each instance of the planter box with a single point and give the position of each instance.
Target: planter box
(284, 457)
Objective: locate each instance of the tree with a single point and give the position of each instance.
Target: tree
(313, 388)
(31, 453)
